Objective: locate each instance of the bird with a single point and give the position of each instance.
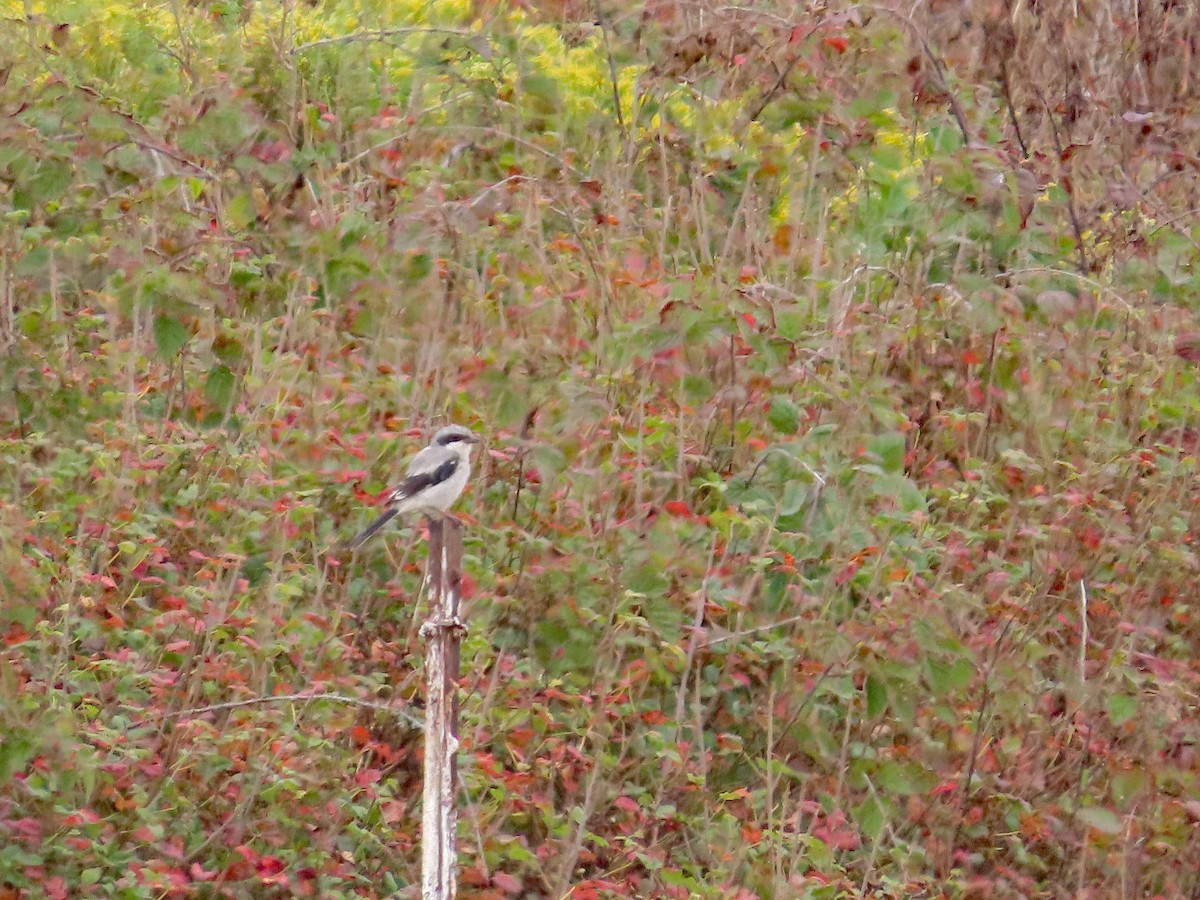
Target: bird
(433, 481)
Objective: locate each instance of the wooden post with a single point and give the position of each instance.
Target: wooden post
(442, 632)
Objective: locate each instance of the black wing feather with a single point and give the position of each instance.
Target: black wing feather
(405, 489)
(414, 484)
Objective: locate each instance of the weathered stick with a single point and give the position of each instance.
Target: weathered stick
(442, 632)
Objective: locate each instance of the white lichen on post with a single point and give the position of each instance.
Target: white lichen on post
(442, 632)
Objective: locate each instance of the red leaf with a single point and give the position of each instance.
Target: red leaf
(508, 883)
(368, 776)
(270, 865)
(472, 876)
(836, 42)
(199, 873)
(80, 817)
(245, 853)
(28, 827)
(628, 804)
(837, 838)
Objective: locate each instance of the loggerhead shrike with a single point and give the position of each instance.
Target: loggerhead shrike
(435, 478)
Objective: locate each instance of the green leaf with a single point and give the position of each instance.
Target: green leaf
(697, 388)
(24, 614)
(548, 460)
(239, 212)
(170, 336)
(418, 268)
(790, 325)
(909, 498)
(784, 415)
(512, 406)
(946, 677)
(48, 183)
(675, 878)
(877, 697)
(227, 349)
(795, 496)
(219, 387)
(1126, 784)
(646, 580)
(15, 751)
(889, 450)
(893, 778)
(23, 403)
(1101, 819)
(876, 104)
(870, 817)
(34, 261)
(1121, 708)
(543, 90)
(89, 876)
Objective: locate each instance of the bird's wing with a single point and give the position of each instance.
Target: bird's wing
(431, 466)
(429, 458)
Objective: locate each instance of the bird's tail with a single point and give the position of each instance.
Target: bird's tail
(369, 532)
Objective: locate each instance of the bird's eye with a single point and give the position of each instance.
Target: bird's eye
(451, 438)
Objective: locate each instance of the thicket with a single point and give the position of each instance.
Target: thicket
(835, 531)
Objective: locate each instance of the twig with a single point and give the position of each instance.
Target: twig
(283, 698)
(694, 642)
(817, 476)
(936, 64)
(1012, 110)
(1083, 278)
(470, 129)
(383, 35)
(977, 739)
(774, 89)
(612, 74)
(1083, 632)
(1084, 268)
(734, 635)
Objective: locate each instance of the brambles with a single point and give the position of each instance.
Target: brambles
(835, 527)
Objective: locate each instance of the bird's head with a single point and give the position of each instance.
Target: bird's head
(457, 438)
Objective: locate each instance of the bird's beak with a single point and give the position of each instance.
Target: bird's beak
(473, 439)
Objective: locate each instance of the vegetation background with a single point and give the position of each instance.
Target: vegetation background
(835, 533)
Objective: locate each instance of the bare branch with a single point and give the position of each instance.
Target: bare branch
(284, 698)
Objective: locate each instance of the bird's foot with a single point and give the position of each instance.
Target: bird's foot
(429, 628)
